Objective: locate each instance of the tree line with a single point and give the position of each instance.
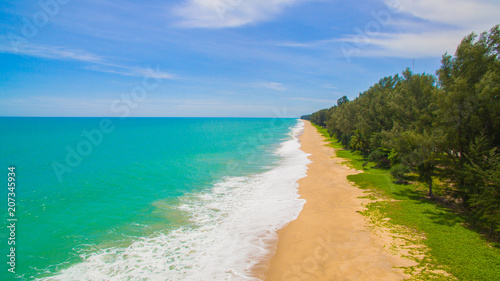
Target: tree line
(445, 126)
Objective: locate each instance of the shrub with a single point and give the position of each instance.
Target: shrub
(398, 171)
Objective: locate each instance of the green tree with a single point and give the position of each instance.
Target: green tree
(419, 152)
(342, 100)
(468, 99)
(412, 123)
(321, 117)
(482, 171)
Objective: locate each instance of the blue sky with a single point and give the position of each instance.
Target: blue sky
(217, 58)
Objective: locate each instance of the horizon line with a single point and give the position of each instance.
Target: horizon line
(146, 117)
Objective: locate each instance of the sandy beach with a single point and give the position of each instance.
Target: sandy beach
(331, 240)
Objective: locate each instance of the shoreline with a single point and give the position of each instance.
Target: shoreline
(330, 240)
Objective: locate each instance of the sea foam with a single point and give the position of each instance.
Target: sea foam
(232, 228)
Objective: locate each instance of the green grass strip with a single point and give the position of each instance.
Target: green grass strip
(452, 246)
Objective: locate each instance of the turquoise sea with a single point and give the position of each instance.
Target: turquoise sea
(147, 198)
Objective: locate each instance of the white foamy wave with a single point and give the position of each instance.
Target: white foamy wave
(233, 228)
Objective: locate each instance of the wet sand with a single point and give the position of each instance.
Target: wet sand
(331, 240)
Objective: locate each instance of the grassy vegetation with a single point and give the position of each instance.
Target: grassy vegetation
(450, 244)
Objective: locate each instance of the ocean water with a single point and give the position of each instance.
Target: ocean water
(148, 198)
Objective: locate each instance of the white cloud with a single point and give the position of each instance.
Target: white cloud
(311, 44)
(415, 29)
(52, 52)
(228, 13)
(271, 85)
(449, 21)
(96, 62)
(405, 45)
(466, 14)
(132, 71)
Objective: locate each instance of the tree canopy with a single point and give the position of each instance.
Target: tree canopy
(421, 123)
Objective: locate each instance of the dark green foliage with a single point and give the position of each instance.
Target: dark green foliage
(447, 127)
(319, 118)
(453, 246)
(342, 100)
(469, 104)
(398, 172)
(418, 152)
(306, 117)
(381, 157)
(482, 173)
